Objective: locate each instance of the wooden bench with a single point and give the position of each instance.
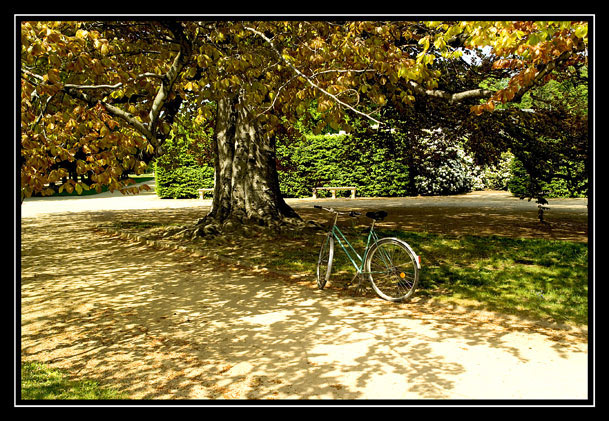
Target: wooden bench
(333, 190)
(203, 191)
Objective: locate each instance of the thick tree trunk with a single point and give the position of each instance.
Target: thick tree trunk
(246, 191)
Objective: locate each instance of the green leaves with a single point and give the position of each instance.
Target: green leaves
(342, 67)
(581, 31)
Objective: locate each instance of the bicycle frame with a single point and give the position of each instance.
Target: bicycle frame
(394, 283)
(340, 237)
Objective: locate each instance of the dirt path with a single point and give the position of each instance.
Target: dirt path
(167, 325)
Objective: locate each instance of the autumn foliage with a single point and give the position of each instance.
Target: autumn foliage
(98, 97)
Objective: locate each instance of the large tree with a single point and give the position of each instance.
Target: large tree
(98, 97)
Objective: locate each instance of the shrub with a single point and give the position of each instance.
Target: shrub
(442, 167)
(183, 182)
(564, 182)
(180, 172)
(497, 176)
(339, 160)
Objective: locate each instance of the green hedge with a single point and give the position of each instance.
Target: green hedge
(179, 173)
(565, 182)
(339, 160)
(364, 162)
(183, 182)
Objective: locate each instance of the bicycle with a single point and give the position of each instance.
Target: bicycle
(390, 264)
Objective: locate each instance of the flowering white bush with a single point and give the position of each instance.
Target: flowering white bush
(497, 176)
(443, 167)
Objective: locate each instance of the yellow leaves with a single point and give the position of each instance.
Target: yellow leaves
(104, 131)
(203, 60)
(287, 57)
(406, 97)
(426, 59)
(439, 43)
(144, 187)
(141, 167)
(102, 46)
(301, 94)
(581, 31)
(324, 105)
(70, 186)
(52, 76)
(67, 186)
(81, 34)
(508, 64)
(424, 42)
(407, 69)
(36, 49)
(81, 167)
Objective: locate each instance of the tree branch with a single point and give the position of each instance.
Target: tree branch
(167, 81)
(308, 79)
(75, 91)
(85, 87)
(132, 121)
(451, 98)
(546, 70)
(169, 78)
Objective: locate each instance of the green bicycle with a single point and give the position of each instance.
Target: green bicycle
(390, 264)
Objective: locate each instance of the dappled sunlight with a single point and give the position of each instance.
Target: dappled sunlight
(162, 324)
(476, 213)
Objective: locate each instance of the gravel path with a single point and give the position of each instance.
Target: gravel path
(167, 325)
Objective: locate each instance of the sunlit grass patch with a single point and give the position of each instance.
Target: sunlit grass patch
(39, 382)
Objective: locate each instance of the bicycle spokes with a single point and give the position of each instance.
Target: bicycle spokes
(390, 264)
(392, 268)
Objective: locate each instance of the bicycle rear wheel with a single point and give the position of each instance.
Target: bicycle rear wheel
(393, 269)
(324, 263)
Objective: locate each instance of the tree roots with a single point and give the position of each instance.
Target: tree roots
(209, 227)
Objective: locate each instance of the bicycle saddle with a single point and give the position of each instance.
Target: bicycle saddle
(377, 216)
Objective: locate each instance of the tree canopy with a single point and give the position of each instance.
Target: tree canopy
(98, 97)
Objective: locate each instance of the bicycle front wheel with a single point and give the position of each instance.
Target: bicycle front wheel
(324, 263)
(393, 269)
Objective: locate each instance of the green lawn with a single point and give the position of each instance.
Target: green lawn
(534, 278)
(39, 382)
(537, 278)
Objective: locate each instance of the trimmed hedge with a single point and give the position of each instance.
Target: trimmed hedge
(178, 173)
(566, 182)
(339, 160)
(183, 182)
(363, 162)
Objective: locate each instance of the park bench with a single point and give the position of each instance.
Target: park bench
(203, 191)
(333, 190)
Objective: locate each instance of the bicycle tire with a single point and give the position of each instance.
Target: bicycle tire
(324, 263)
(393, 269)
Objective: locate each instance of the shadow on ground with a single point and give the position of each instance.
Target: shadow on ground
(167, 325)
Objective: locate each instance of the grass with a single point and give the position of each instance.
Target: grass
(39, 382)
(536, 278)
